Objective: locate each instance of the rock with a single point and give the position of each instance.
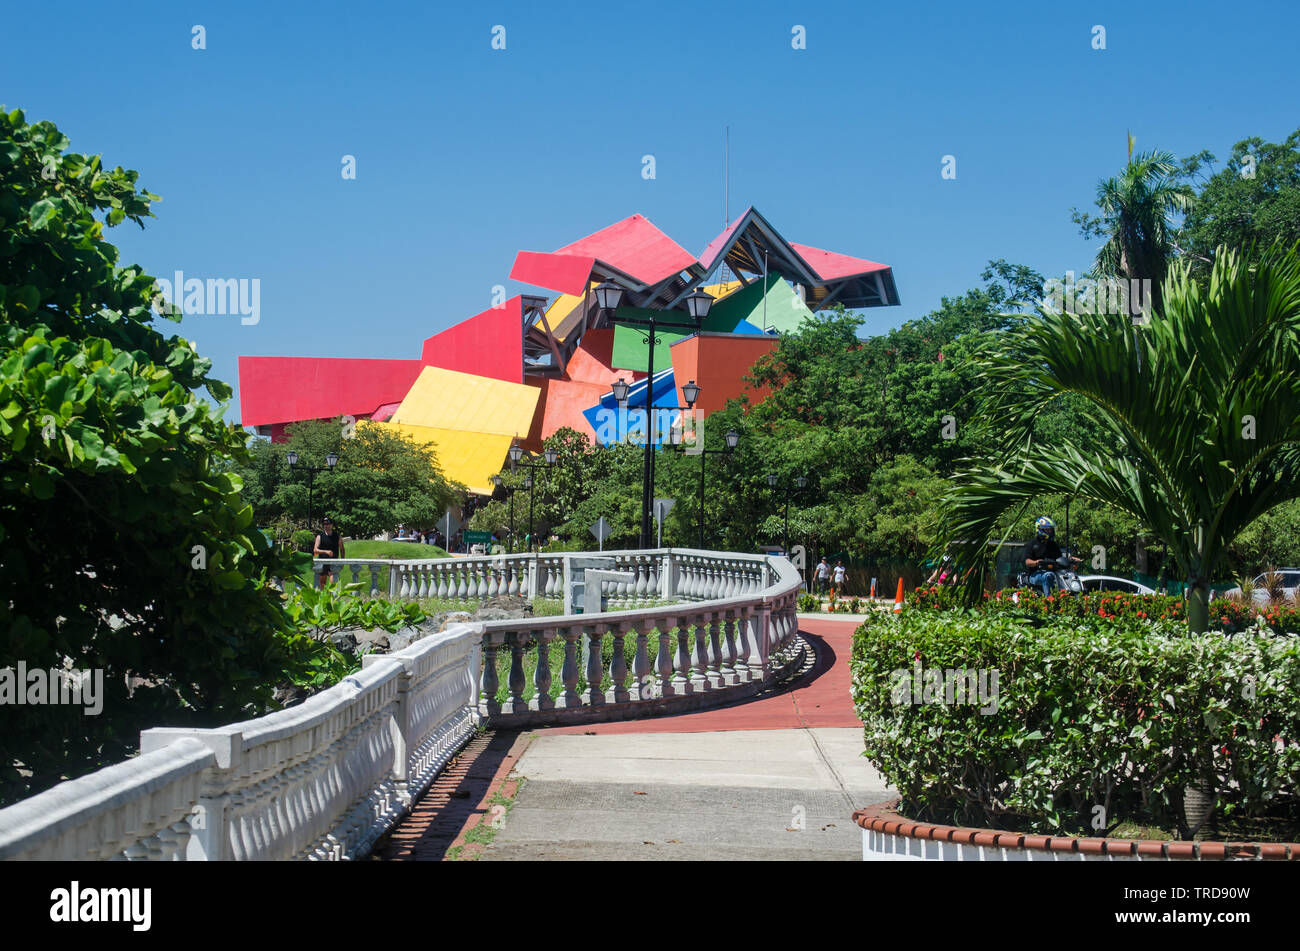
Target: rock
(287, 696)
(343, 640)
(376, 639)
(504, 608)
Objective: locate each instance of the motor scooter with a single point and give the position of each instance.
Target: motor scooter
(1067, 579)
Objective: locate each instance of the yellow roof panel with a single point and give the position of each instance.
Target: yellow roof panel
(447, 399)
(565, 307)
(718, 291)
(469, 458)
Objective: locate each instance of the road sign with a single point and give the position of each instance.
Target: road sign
(602, 530)
(661, 509)
(479, 538)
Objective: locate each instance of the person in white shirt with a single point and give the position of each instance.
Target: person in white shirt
(840, 575)
(823, 576)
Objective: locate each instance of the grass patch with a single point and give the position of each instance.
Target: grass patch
(482, 835)
(406, 551)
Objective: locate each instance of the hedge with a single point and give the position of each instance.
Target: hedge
(1230, 616)
(1090, 711)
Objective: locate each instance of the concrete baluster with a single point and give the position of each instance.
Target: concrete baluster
(542, 699)
(516, 703)
(569, 672)
(642, 673)
(618, 692)
(664, 659)
(700, 671)
(682, 672)
(489, 683)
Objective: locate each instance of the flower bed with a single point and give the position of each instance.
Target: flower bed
(1093, 721)
(1232, 617)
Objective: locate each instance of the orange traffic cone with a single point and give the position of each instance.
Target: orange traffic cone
(898, 601)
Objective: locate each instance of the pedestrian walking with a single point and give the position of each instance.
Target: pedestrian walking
(840, 576)
(823, 576)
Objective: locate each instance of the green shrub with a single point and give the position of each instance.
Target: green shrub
(304, 540)
(809, 603)
(1230, 616)
(1122, 713)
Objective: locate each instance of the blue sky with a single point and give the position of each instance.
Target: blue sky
(466, 154)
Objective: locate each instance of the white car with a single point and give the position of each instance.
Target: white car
(1111, 583)
(1290, 581)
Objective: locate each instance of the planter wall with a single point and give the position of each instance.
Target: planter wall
(888, 836)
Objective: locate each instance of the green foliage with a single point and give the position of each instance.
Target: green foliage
(383, 479)
(304, 540)
(1201, 410)
(1118, 714)
(127, 546)
(1239, 209)
(1138, 208)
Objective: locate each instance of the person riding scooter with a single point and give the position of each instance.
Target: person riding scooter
(1042, 554)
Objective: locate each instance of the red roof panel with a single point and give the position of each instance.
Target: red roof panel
(291, 389)
(834, 267)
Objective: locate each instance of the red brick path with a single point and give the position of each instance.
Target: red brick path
(820, 699)
(457, 800)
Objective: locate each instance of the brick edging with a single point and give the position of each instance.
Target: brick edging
(884, 818)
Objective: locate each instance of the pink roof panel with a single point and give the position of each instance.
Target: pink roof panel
(715, 247)
(290, 389)
(834, 267)
(566, 273)
(635, 246)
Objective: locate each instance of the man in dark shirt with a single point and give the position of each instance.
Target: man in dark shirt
(1041, 553)
(328, 545)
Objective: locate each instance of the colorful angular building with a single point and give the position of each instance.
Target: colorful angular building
(536, 363)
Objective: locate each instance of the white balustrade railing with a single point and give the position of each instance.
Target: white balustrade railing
(732, 613)
(320, 781)
(324, 780)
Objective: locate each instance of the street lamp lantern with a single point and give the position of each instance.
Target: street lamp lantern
(332, 459)
(620, 390)
(733, 439)
(691, 393)
(497, 480)
(801, 482)
(675, 436)
(698, 304)
(551, 456)
(292, 457)
(516, 453)
(771, 480)
(608, 295)
(528, 481)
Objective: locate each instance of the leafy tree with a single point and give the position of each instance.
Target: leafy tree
(1203, 432)
(382, 479)
(1253, 199)
(1138, 213)
(125, 545)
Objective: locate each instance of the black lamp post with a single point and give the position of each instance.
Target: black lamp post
(800, 482)
(608, 296)
(510, 491)
(732, 440)
(550, 457)
(331, 460)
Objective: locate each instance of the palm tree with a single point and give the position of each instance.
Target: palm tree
(1137, 211)
(1201, 412)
